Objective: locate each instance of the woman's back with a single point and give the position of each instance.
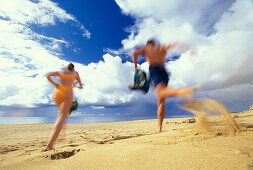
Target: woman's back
(67, 77)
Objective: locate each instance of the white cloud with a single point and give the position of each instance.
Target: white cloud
(97, 107)
(25, 63)
(226, 59)
(199, 14)
(43, 12)
(219, 31)
(106, 82)
(222, 65)
(27, 56)
(86, 33)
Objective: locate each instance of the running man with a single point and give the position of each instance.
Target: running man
(155, 56)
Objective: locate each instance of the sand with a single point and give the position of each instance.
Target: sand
(130, 145)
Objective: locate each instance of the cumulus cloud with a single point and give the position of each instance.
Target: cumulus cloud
(221, 68)
(25, 62)
(41, 12)
(106, 82)
(172, 18)
(226, 59)
(27, 56)
(219, 31)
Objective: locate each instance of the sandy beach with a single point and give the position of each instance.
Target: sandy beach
(183, 144)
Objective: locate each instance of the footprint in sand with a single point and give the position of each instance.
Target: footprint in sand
(250, 166)
(249, 126)
(63, 155)
(5, 150)
(73, 145)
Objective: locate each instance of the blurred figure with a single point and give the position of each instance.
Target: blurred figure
(63, 97)
(155, 56)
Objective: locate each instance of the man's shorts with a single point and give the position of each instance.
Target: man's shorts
(158, 74)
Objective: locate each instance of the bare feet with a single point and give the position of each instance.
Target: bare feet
(187, 93)
(48, 148)
(159, 129)
(45, 150)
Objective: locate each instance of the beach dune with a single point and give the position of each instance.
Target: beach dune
(183, 144)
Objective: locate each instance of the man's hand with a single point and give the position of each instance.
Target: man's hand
(136, 54)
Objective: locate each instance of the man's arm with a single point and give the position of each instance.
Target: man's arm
(170, 46)
(181, 47)
(136, 54)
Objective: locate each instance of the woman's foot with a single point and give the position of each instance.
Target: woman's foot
(48, 148)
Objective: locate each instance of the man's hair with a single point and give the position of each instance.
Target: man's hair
(71, 67)
(151, 41)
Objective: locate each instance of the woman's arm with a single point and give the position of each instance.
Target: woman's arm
(80, 85)
(49, 75)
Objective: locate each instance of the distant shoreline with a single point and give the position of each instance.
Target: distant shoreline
(82, 119)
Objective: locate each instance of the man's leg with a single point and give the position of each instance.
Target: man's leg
(161, 106)
(171, 92)
(160, 114)
(162, 92)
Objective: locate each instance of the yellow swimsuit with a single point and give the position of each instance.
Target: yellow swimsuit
(63, 91)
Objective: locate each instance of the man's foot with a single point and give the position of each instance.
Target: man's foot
(187, 93)
(159, 129)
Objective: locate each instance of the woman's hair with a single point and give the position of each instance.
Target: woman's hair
(71, 67)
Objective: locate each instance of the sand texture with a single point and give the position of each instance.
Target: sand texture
(183, 144)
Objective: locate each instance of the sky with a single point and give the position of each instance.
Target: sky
(98, 37)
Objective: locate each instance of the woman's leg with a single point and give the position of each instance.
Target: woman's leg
(64, 108)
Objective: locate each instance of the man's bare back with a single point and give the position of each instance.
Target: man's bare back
(155, 54)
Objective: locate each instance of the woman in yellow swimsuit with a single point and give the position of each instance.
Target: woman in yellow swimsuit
(63, 97)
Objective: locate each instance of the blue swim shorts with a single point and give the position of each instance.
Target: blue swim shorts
(158, 74)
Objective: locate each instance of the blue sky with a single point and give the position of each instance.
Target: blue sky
(104, 21)
(40, 36)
